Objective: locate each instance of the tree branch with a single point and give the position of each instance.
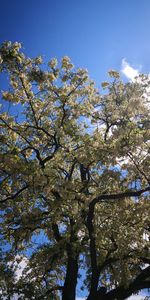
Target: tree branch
(119, 196)
(93, 252)
(142, 281)
(13, 196)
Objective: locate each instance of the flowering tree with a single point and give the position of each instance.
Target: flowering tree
(74, 174)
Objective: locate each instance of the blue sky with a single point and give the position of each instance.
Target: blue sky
(98, 35)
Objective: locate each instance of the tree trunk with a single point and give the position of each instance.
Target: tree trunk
(69, 290)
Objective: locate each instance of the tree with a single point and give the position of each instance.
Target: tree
(74, 170)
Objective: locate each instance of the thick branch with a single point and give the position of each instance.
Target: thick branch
(95, 269)
(142, 281)
(93, 252)
(56, 232)
(72, 266)
(119, 196)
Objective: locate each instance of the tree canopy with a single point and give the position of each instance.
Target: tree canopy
(74, 178)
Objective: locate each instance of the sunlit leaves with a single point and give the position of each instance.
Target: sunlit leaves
(67, 144)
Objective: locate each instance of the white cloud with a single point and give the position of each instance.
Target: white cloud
(128, 70)
(136, 297)
(131, 73)
(19, 263)
(20, 266)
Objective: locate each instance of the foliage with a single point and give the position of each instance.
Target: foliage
(74, 170)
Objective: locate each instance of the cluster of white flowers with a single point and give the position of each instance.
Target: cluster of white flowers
(51, 76)
(7, 96)
(105, 84)
(53, 63)
(113, 73)
(38, 60)
(1, 60)
(17, 45)
(66, 63)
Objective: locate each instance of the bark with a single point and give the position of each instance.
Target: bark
(119, 196)
(93, 254)
(69, 289)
